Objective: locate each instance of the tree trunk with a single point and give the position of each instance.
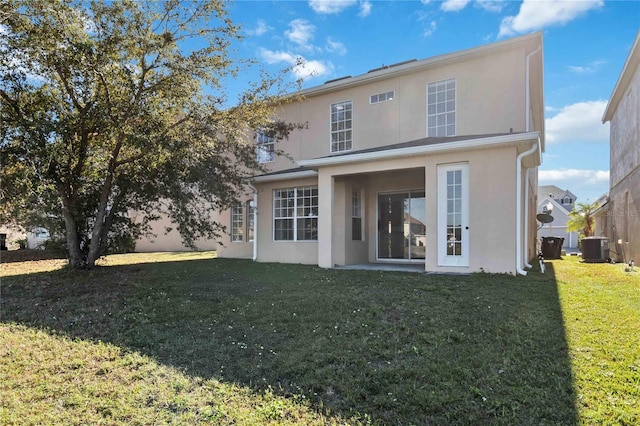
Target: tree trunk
(76, 258)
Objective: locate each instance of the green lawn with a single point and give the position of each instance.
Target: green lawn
(188, 338)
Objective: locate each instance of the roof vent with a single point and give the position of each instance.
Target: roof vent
(397, 64)
(337, 79)
(383, 67)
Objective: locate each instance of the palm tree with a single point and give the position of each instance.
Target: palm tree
(581, 219)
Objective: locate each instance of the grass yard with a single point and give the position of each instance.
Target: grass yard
(191, 339)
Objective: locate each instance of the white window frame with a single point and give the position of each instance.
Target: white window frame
(335, 128)
(237, 223)
(265, 147)
(356, 213)
(382, 97)
(439, 112)
(445, 200)
(250, 221)
(300, 207)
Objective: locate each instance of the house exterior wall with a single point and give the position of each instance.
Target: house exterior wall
(490, 99)
(624, 194)
(491, 223)
(171, 241)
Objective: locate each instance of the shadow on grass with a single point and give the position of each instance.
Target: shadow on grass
(391, 347)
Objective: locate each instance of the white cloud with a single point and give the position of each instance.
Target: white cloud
(453, 5)
(430, 29)
(579, 122)
(365, 9)
(490, 5)
(301, 68)
(535, 15)
(336, 46)
(301, 33)
(330, 6)
(592, 67)
(579, 176)
(260, 29)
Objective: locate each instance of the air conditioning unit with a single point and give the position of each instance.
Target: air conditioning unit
(595, 249)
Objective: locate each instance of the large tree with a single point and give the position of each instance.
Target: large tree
(111, 107)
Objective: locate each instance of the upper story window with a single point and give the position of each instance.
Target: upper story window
(341, 126)
(381, 97)
(566, 200)
(441, 108)
(266, 149)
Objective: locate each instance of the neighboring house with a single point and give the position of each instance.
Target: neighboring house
(432, 162)
(623, 112)
(563, 202)
(564, 197)
(17, 237)
(560, 213)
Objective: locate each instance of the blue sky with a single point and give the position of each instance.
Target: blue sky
(585, 46)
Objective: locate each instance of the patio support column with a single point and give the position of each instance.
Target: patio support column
(429, 197)
(326, 184)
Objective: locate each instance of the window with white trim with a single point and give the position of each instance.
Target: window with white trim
(295, 214)
(381, 97)
(250, 221)
(266, 147)
(236, 223)
(341, 126)
(356, 215)
(441, 108)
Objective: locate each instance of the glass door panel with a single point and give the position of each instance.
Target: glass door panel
(391, 238)
(417, 228)
(401, 228)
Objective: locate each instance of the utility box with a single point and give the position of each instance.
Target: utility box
(595, 249)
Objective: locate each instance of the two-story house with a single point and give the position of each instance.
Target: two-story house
(562, 203)
(430, 161)
(623, 113)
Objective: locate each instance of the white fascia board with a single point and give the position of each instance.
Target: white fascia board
(286, 176)
(482, 143)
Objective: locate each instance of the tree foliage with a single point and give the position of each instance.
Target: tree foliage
(112, 107)
(581, 219)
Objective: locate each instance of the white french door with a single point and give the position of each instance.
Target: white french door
(453, 215)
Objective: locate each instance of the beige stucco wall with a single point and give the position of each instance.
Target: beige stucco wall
(490, 98)
(491, 205)
(163, 241)
(305, 252)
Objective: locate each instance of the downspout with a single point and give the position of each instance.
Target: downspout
(255, 221)
(519, 158)
(521, 257)
(526, 219)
